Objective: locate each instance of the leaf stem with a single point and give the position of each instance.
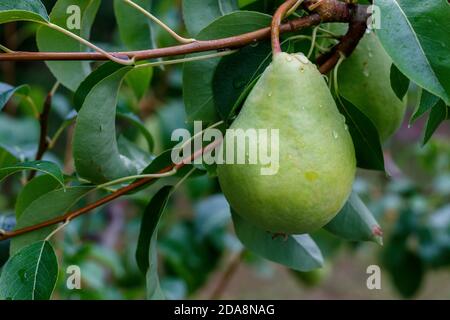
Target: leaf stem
(89, 44)
(196, 58)
(175, 35)
(276, 22)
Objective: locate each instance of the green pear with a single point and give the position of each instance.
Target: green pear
(364, 80)
(316, 164)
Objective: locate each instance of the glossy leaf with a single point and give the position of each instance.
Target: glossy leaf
(198, 90)
(415, 35)
(30, 274)
(51, 205)
(33, 190)
(46, 167)
(355, 222)
(69, 73)
(134, 28)
(399, 82)
(99, 74)
(6, 157)
(136, 122)
(149, 226)
(197, 14)
(366, 140)
(138, 157)
(7, 91)
(438, 114)
(235, 73)
(139, 81)
(30, 10)
(297, 252)
(95, 150)
(427, 101)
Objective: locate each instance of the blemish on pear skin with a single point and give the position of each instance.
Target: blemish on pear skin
(311, 176)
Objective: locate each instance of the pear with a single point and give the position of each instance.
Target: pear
(316, 165)
(364, 80)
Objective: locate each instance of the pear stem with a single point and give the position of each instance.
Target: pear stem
(276, 22)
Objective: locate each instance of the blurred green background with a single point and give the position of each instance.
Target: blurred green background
(200, 257)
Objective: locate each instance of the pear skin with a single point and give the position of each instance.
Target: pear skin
(316, 155)
(364, 80)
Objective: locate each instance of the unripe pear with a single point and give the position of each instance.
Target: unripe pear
(316, 155)
(364, 80)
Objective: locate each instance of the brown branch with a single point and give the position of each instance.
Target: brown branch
(328, 11)
(43, 136)
(227, 275)
(123, 191)
(346, 46)
(198, 46)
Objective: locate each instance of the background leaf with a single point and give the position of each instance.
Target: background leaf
(427, 101)
(51, 205)
(149, 227)
(197, 14)
(34, 189)
(297, 252)
(7, 91)
(438, 114)
(369, 154)
(30, 274)
(399, 82)
(415, 35)
(134, 28)
(46, 167)
(355, 222)
(69, 73)
(30, 10)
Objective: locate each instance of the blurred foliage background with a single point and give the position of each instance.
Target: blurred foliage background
(200, 257)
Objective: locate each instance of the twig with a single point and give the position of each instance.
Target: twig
(227, 275)
(198, 46)
(348, 43)
(43, 121)
(120, 192)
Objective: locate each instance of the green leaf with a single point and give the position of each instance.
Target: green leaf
(134, 28)
(427, 101)
(99, 74)
(69, 73)
(369, 154)
(415, 35)
(298, 252)
(197, 14)
(135, 121)
(399, 82)
(30, 10)
(6, 157)
(236, 73)
(138, 157)
(7, 91)
(139, 81)
(30, 274)
(355, 222)
(49, 206)
(95, 150)
(438, 114)
(33, 190)
(198, 76)
(46, 167)
(149, 226)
